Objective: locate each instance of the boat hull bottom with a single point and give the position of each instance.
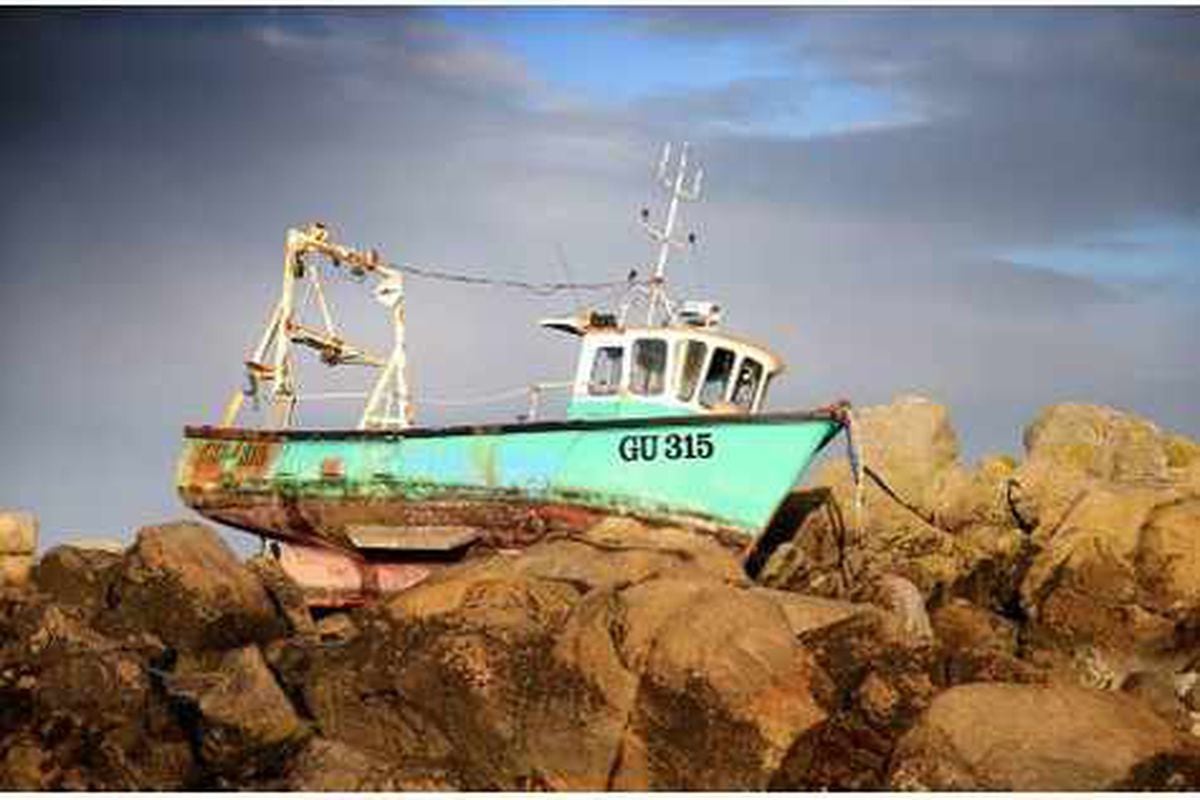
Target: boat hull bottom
(335, 579)
(500, 523)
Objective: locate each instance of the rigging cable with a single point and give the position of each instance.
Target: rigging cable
(542, 288)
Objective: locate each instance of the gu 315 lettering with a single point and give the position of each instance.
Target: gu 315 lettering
(670, 447)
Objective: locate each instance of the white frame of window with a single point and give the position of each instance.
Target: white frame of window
(594, 340)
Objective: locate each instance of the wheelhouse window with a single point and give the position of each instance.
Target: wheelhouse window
(691, 355)
(744, 390)
(649, 366)
(606, 371)
(717, 380)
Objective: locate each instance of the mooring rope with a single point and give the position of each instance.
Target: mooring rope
(859, 470)
(854, 454)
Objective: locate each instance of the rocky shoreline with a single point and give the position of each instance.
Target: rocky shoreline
(1030, 625)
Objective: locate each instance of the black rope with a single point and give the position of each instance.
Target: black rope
(890, 492)
(543, 288)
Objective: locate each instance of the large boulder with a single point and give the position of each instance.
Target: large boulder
(912, 441)
(441, 675)
(676, 684)
(244, 723)
(975, 644)
(947, 529)
(82, 708)
(1119, 575)
(18, 532)
(79, 574)
(325, 765)
(723, 694)
(962, 498)
(1102, 442)
(15, 570)
(25, 765)
(879, 668)
(621, 658)
(286, 594)
(1071, 448)
(181, 582)
(619, 551)
(1004, 737)
(18, 543)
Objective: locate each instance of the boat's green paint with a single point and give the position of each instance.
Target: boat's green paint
(738, 472)
(622, 406)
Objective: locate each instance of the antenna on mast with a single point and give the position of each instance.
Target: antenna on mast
(678, 189)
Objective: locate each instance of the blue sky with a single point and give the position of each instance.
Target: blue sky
(1146, 255)
(603, 56)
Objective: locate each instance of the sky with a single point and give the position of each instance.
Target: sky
(995, 208)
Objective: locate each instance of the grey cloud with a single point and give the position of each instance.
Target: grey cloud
(1029, 126)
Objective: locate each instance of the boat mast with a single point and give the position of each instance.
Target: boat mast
(676, 186)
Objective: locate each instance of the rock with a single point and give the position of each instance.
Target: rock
(634, 692)
(442, 674)
(1119, 574)
(620, 551)
(78, 575)
(977, 645)
(1004, 737)
(578, 722)
(881, 681)
(181, 582)
(477, 631)
(244, 723)
(1102, 442)
(1181, 451)
(1190, 692)
(1072, 448)
(572, 666)
(991, 575)
(911, 441)
(18, 532)
(324, 765)
(806, 613)
(338, 628)
(15, 570)
(287, 595)
(1158, 692)
(24, 765)
(89, 702)
(18, 542)
(912, 446)
(327, 765)
(899, 596)
(961, 498)
(724, 694)
(1168, 558)
(959, 625)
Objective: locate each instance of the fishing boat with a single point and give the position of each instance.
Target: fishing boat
(664, 422)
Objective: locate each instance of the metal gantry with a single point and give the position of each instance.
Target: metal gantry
(271, 368)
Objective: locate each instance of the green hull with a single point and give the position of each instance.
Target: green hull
(726, 474)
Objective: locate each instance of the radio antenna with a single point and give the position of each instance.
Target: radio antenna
(677, 186)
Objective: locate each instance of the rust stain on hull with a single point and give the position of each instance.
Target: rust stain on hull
(504, 521)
